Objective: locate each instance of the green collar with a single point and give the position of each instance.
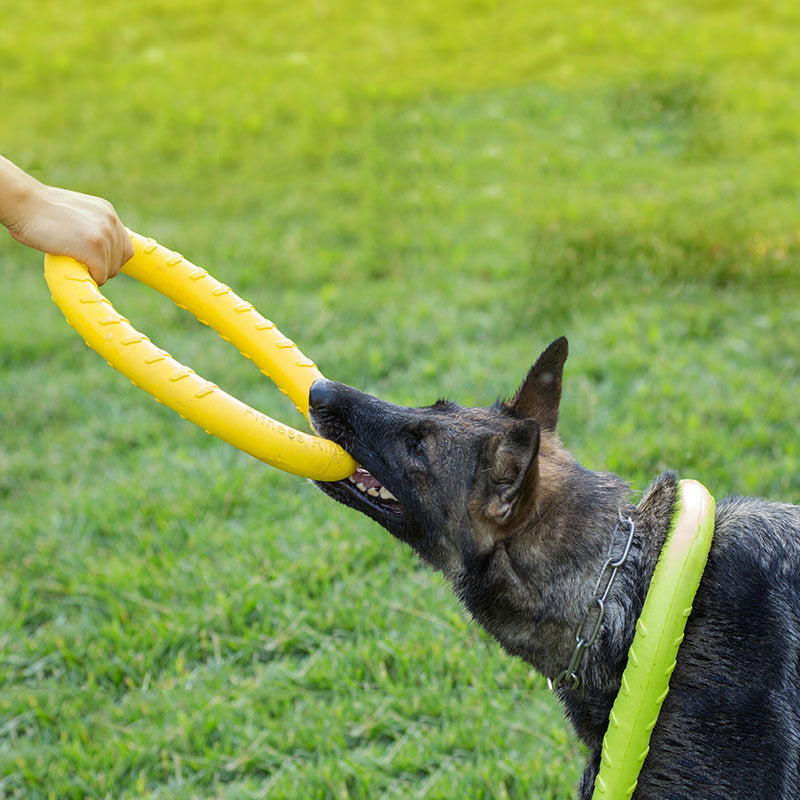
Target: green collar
(659, 632)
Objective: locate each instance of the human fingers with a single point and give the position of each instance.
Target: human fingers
(106, 243)
(121, 248)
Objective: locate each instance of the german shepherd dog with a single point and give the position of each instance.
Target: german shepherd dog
(491, 497)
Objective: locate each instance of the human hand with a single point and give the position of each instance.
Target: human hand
(77, 225)
(63, 222)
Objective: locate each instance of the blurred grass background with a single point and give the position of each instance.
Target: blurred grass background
(422, 196)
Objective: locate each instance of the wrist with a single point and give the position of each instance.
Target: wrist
(20, 193)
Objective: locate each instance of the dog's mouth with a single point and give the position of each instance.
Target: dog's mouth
(364, 486)
(361, 490)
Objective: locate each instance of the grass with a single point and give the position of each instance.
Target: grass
(422, 196)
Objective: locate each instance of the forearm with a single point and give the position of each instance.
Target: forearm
(19, 192)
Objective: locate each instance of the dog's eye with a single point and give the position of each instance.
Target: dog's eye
(415, 445)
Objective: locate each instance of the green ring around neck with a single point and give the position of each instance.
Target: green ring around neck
(659, 632)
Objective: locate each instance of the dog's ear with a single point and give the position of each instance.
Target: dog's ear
(510, 455)
(540, 394)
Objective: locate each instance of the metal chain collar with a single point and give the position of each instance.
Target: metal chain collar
(597, 607)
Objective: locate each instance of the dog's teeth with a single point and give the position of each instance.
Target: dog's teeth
(361, 487)
(351, 479)
(372, 491)
(386, 494)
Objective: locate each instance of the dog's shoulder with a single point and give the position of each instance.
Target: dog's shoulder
(753, 570)
(769, 530)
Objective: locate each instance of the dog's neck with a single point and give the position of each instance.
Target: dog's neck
(534, 589)
(571, 536)
(589, 705)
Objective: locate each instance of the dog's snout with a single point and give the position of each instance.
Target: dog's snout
(321, 394)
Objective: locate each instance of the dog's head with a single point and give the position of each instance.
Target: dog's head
(450, 481)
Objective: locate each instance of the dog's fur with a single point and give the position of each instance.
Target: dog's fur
(492, 499)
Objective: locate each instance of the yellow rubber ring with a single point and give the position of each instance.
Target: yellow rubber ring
(180, 387)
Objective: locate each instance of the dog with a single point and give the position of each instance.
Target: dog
(492, 499)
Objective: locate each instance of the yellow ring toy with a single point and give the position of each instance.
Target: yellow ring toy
(179, 387)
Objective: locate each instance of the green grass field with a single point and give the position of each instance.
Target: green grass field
(422, 196)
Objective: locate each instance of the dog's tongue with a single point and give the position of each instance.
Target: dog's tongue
(362, 476)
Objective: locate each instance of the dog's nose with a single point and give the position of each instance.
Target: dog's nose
(321, 394)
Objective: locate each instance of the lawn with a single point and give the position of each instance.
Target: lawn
(422, 196)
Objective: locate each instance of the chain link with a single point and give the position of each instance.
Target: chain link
(597, 607)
